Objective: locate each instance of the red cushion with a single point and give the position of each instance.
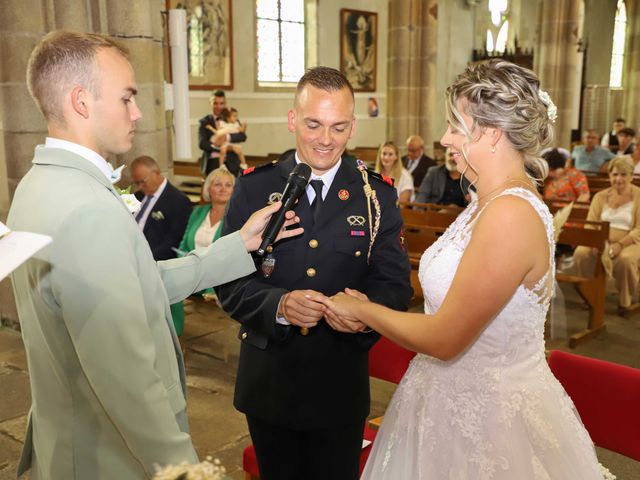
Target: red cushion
(388, 361)
(250, 462)
(607, 396)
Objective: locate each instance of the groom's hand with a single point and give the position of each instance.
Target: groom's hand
(302, 308)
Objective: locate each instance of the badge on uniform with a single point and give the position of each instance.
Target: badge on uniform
(355, 220)
(343, 194)
(268, 264)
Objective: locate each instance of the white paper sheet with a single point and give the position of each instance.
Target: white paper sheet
(17, 247)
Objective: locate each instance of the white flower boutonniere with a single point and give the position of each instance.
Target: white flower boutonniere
(129, 199)
(157, 215)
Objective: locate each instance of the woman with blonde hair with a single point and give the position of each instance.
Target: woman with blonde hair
(620, 206)
(388, 164)
(479, 401)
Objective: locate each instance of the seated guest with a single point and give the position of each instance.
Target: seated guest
(205, 222)
(625, 141)
(389, 164)
(635, 158)
(591, 157)
(415, 161)
(563, 183)
(619, 205)
(165, 210)
(205, 227)
(228, 125)
(162, 217)
(442, 184)
(610, 139)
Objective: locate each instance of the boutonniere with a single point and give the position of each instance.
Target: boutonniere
(157, 215)
(129, 199)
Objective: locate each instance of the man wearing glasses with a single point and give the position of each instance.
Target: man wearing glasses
(416, 162)
(165, 210)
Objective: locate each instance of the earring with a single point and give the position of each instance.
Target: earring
(493, 149)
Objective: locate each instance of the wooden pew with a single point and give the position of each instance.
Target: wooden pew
(579, 211)
(368, 155)
(591, 289)
(429, 214)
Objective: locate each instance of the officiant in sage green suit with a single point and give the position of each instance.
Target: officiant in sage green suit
(106, 372)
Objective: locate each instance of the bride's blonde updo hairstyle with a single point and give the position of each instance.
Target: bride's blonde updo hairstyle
(506, 96)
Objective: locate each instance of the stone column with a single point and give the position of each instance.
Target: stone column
(412, 70)
(558, 64)
(631, 76)
(137, 24)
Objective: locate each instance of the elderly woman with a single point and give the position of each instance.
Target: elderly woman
(620, 206)
(205, 222)
(389, 164)
(564, 183)
(205, 226)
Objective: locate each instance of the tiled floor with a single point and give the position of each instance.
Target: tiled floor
(212, 357)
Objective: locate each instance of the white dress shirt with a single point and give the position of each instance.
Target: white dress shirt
(143, 220)
(86, 153)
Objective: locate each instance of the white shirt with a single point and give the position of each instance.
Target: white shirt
(413, 164)
(206, 232)
(143, 220)
(327, 179)
(86, 153)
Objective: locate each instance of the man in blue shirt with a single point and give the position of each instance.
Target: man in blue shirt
(590, 157)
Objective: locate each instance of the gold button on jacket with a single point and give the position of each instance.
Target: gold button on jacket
(311, 272)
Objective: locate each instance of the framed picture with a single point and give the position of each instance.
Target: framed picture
(209, 40)
(358, 48)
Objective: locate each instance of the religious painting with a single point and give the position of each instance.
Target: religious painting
(358, 48)
(209, 42)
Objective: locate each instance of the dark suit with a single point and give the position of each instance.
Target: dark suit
(167, 222)
(204, 142)
(432, 188)
(320, 381)
(421, 170)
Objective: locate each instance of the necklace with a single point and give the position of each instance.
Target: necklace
(503, 185)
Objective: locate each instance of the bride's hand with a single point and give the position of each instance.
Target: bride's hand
(340, 314)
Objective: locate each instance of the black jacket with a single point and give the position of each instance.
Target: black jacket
(421, 170)
(167, 222)
(319, 380)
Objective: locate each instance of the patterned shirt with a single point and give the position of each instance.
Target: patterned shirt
(568, 187)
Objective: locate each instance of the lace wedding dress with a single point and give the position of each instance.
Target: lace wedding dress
(496, 412)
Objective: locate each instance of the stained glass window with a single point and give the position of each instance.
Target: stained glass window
(617, 52)
(280, 40)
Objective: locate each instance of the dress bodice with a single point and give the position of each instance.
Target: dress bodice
(517, 331)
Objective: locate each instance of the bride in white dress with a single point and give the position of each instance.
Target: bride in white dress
(479, 402)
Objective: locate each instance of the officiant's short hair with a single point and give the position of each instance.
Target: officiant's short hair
(62, 60)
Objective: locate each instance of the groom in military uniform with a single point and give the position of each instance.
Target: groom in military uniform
(303, 383)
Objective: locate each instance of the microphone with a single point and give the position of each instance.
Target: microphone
(297, 182)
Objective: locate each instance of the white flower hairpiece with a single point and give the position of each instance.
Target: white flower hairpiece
(552, 110)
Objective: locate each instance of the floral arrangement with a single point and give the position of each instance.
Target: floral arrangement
(552, 110)
(207, 470)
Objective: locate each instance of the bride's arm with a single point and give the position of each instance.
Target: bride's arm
(508, 247)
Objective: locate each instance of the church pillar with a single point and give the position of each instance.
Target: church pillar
(558, 64)
(412, 70)
(631, 76)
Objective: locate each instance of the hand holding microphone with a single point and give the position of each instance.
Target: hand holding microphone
(296, 184)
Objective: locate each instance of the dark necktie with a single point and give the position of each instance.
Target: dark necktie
(143, 208)
(317, 202)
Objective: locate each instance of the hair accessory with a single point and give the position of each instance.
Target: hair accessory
(552, 110)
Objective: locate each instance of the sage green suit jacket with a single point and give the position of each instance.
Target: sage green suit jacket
(106, 372)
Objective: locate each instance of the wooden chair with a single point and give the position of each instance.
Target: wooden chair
(607, 397)
(591, 289)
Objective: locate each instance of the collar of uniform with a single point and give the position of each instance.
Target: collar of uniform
(328, 176)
